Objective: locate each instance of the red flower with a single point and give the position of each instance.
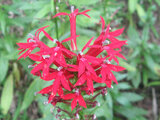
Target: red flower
(77, 97)
(72, 17)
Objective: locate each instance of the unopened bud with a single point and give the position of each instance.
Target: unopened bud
(77, 116)
(94, 117)
(45, 102)
(98, 104)
(35, 94)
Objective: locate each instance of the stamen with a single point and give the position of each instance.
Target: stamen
(55, 40)
(57, 8)
(32, 41)
(112, 87)
(110, 28)
(77, 91)
(30, 66)
(80, 52)
(106, 42)
(72, 9)
(45, 56)
(60, 68)
(30, 35)
(107, 61)
(59, 1)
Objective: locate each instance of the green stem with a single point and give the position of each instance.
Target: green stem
(55, 19)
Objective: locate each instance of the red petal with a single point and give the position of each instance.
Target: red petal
(74, 103)
(68, 96)
(81, 80)
(65, 83)
(116, 32)
(87, 44)
(46, 90)
(59, 14)
(103, 23)
(116, 68)
(35, 57)
(81, 101)
(37, 68)
(81, 68)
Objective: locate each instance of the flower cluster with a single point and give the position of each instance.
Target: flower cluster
(74, 73)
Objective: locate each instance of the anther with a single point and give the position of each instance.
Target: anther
(45, 56)
(32, 41)
(60, 68)
(107, 61)
(30, 35)
(112, 87)
(72, 9)
(106, 42)
(30, 66)
(80, 52)
(55, 40)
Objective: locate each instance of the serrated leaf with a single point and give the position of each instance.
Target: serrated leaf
(7, 94)
(132, 5)
(3, 67)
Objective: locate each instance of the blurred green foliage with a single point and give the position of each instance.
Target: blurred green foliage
(20, 17)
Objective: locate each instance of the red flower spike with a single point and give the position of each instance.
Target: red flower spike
(74, 75)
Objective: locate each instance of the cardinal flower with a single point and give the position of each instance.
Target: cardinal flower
(72, 17)
(77, 97)
(33, 42)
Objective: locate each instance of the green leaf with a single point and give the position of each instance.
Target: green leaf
(29, 96)
(3, 67)
(155, 83)
(132, 97)
(123, 86)
(80, 3)
(141, 13)
(44, 11)
(132, 5)
(137, 80)
(16, 72)
(131, 112)
(7, 94)
(145, 77)
(126, 65)
(2, 21)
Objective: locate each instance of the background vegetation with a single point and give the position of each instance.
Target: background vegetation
(136, 97)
